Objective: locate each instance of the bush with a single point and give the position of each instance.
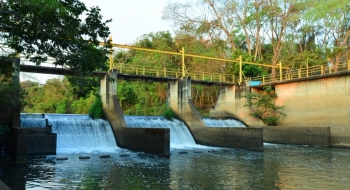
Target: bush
(169, 114)
(262, 106)
(96, 110)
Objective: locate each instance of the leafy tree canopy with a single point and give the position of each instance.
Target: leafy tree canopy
(63, 29)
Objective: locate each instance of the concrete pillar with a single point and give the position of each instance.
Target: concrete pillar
(16, 109)
(180, 102)
(150, 140)
(108, 92)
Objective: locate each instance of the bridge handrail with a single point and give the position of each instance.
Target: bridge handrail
(310, 71)
(172, 72)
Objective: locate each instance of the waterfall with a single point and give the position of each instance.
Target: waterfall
(79, 133)
(33, 122)
(223, 123)
(180, 136)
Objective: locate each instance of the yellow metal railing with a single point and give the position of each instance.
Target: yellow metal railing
(282, 73)
(302, 73)
(195, 75)
(168, 72)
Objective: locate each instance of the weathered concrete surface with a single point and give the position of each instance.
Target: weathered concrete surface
(32, 141)
(20, 136)
(42, 144)
(181, 103)
(150, 140)
(231, 137)
(316, 136)
(154, 141)
(231, 103)
(179, 100)
(323, 103)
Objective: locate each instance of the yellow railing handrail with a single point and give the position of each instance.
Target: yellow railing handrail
(308, 71)
(172, 72)
(183, 54)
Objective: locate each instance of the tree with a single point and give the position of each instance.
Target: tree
(240, 23)
(332, 19)
(54, 28)
(55, 96)
(262, 106)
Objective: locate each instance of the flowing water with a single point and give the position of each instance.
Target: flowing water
(202, 167)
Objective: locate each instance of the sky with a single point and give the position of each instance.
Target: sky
(130, 20)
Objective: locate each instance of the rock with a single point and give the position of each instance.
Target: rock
(62, 158)
(84, 157)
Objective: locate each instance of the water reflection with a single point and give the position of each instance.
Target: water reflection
(278, 167)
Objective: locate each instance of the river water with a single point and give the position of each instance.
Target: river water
(189, 167)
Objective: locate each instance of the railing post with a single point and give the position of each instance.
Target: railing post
(164, 71)
(183, 61)
(203, 76)
(322, 71)
(349, 64)
(233, 78)
(240, 69)
(307, 67)
(220, 77)
(263, 79)
(143, 70)
(299, 73)
(280, 63)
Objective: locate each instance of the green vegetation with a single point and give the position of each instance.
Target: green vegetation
(263, 107)
(169, 114)
(55, 96)
(96, 110)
